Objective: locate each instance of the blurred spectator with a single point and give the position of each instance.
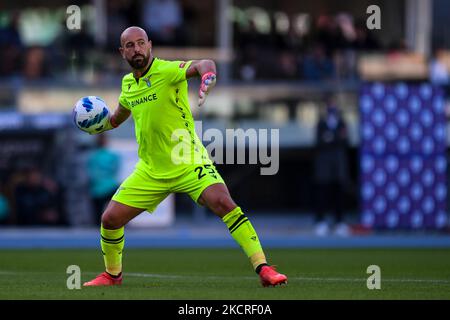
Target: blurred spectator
(347, 31)
(72, 51)
(103, 167)
(331, 173)
(117, 21)
(35, 63)
(249, 44)
(287, 65)
(4, 207)
(163, 21)
(345, 54)
(82, 44)
(327, 33)
(36, 200)
(11, 48)
(317, 65)
(365, 40)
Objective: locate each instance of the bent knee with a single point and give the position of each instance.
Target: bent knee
(111, 221)
(223, 204)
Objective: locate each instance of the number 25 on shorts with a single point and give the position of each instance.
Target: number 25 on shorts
(208, 170)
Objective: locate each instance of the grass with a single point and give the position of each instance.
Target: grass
(188, 274)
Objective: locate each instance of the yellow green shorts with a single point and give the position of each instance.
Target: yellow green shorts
(141, 190)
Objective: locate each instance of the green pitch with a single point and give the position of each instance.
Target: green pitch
(226, 274)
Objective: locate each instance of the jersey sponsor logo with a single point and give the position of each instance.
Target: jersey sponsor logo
(150, 97)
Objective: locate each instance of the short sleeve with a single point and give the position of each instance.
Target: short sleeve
(123, 101)
(122, 98)
(177, 70)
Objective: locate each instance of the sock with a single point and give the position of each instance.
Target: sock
(112, 242)
(242, 231)
(113, 276)
(258, 268)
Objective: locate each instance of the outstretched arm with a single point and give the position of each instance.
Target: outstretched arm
(206, 69)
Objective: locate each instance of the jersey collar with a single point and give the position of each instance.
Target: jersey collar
(146, 71)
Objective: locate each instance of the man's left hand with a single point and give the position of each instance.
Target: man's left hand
(208, 82)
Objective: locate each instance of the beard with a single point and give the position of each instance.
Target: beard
(138, 61)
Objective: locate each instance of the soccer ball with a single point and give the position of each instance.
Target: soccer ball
(90, 114)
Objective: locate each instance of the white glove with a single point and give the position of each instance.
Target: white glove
(208, 82)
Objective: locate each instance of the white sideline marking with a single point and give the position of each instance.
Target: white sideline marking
(209, 277)
(162, 276)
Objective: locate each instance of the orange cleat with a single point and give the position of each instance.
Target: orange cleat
(104, 279)
(270, 277)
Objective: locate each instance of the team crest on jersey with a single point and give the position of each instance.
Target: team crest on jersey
(147, 81)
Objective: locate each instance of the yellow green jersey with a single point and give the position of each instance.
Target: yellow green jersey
(164, 126)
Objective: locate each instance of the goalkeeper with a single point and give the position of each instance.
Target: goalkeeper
(155, 93)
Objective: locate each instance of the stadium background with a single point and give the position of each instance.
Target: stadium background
(278, 63)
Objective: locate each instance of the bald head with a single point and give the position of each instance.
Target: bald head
(131, 33)
(135, 47)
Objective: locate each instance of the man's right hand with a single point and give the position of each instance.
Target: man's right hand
(116, 118)
(109, 125)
